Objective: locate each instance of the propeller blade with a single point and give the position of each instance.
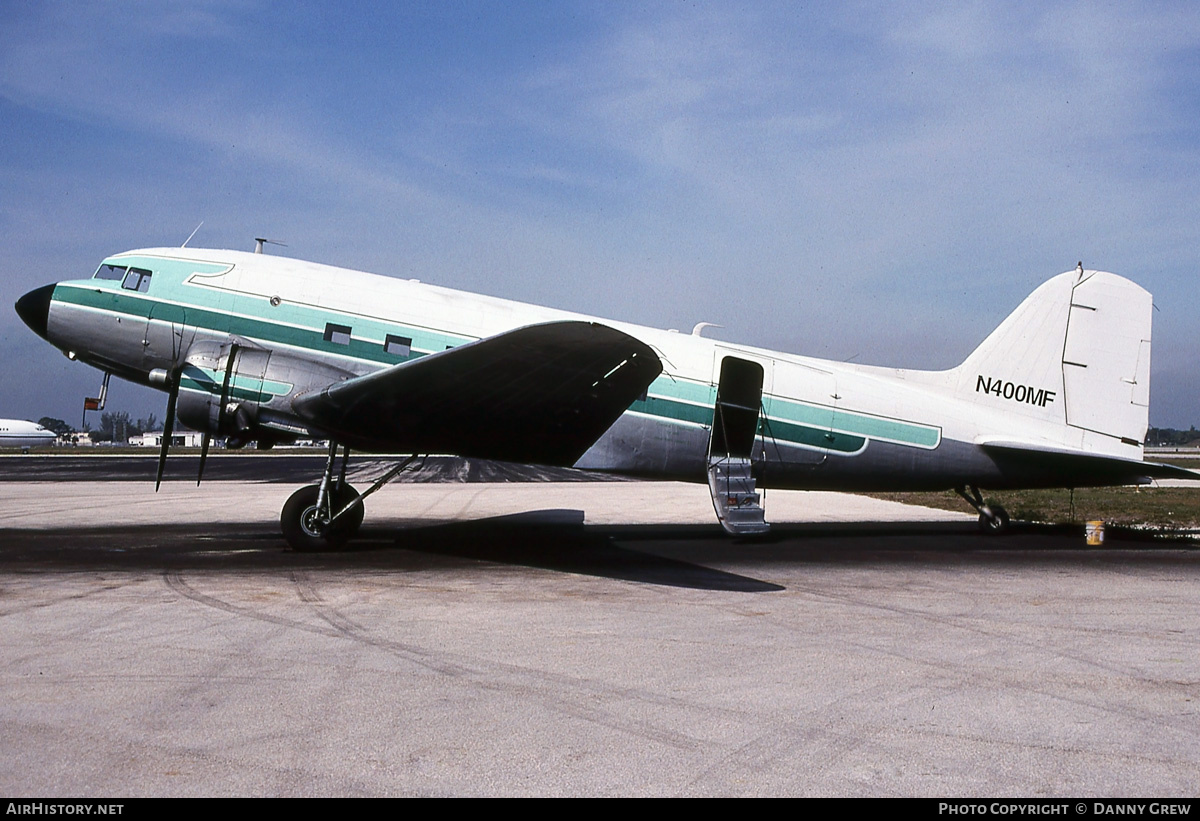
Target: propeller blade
(229, 366)
(204, 442)
(168, 428)
(203, 457)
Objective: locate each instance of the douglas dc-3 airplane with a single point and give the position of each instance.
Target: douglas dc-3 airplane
(257, 347)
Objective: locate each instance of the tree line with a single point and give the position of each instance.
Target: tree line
(1170, 437)
(116, 426)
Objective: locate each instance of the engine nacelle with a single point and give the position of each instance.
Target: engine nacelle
(245, 392)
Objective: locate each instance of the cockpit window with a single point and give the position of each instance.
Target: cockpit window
(111, 272)
(138, 279)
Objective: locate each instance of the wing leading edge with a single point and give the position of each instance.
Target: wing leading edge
(541, 394)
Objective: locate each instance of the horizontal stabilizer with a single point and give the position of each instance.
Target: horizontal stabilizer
(541, 394)
(1078, 468)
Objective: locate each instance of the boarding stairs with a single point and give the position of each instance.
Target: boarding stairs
(731, 479)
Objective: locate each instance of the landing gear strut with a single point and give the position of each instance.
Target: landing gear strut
(993, 519)
(326, 516)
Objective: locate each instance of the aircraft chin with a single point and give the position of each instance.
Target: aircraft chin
(34, 309)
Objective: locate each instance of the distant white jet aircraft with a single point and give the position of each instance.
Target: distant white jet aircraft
(17, 433)
(254, 347)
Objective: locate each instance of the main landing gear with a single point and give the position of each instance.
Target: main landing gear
(993, 519)
(326, 516)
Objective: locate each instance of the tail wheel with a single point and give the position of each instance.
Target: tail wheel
(996, 523)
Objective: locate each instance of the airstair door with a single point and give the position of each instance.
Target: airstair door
(731, 447)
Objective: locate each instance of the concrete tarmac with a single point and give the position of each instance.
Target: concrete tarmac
(583, 639)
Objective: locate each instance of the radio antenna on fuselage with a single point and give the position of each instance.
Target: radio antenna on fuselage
(698, 329)
(189, 239)
(259, 242)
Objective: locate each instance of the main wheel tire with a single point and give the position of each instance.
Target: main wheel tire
(301, 525)
(995, 524)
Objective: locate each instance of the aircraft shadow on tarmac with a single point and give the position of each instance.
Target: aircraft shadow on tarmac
(683, 556)
(558, 540)
(554, 540)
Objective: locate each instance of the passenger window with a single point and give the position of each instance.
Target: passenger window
(397, 345)
(138, 279)
(110, 272)
(337, 334)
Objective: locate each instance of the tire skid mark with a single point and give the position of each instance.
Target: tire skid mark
(1012, 679)
(761, 752)
(802, 734)
(512, 679)
(174, 580)
(331, 615)
(416, 655)
(961, 622)
(826, 750)
(38, 605)
(509, 679)
(813, 731)
(1009, 679)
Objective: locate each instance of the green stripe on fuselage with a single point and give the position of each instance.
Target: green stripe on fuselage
(301, 326)
(222, 322)
(858, 424)
(791, 420)
(771, 428)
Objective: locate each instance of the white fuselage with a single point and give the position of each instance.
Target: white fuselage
(18, 433)
(825, 424)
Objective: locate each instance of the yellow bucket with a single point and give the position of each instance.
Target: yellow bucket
(1095, 533)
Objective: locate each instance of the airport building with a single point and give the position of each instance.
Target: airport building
(179, 439)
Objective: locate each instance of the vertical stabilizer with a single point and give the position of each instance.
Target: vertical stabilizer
(1075, 353)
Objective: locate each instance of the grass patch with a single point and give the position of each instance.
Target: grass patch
(1189, 462)
(1170, 508)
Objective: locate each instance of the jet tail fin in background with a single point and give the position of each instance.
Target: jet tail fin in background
(1075, 353)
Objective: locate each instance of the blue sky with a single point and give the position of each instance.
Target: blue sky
(876, 182)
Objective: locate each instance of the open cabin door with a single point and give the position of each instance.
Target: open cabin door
(731, 446)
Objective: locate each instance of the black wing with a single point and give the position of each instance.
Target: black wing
(541, 394)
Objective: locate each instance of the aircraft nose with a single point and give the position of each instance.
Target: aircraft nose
(34, 309)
